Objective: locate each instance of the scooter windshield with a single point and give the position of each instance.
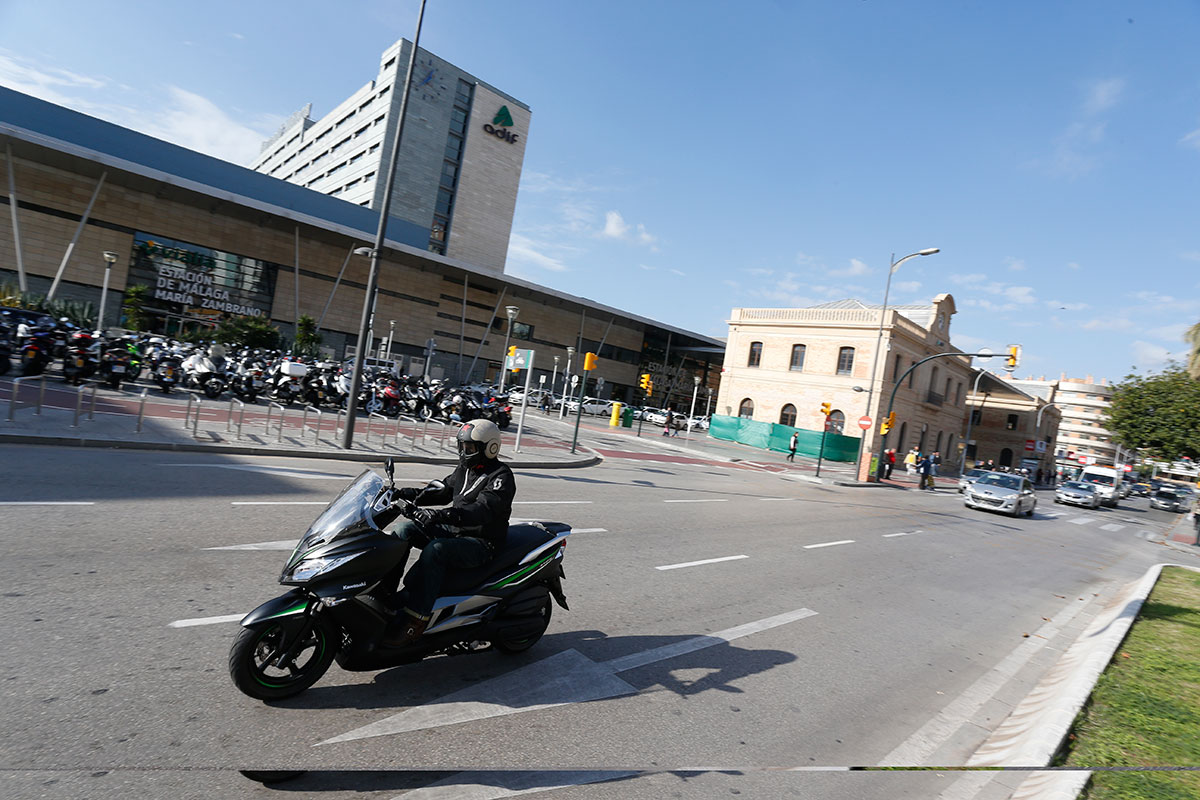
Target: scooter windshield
(349, 513)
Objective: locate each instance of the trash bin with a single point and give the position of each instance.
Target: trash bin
(627, 417)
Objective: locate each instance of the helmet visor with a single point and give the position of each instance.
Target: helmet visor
(468, 448)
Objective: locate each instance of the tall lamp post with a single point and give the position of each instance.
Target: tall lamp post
(563, 408)
(368, 312)
(512, 312)
(895, 265)
(110, 258)
(553, 378)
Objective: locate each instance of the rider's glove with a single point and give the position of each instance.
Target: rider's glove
(424, 517)
(407, 493)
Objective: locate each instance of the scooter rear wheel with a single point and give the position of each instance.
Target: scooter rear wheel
(252, 657)
(524, 643)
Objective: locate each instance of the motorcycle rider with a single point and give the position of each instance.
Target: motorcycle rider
(464, 535)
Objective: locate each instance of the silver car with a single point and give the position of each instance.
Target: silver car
(969, 477)
(1077, 493)
(998, 491)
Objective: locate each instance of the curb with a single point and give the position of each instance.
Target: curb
(243, 450)
(1037, 727)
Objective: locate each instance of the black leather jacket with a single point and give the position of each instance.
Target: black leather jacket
(480, 501)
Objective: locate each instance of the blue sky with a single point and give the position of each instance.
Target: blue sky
(688, 158)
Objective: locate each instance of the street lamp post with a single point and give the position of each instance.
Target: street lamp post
(692, 410)
(708, 403)
(512, 312)
(391, 333)
(110, 258)
(563, 408)
(895, 265)
(553, 378)
(368, 312)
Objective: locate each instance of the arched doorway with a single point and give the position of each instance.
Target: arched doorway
(746, 409)
(900, 439)
(1006, 457)
(837, 422)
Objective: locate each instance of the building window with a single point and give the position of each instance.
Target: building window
(958, 393)
(1006, 456)
(949, 446)
(845, 360)
(788, 416)
(798, 357)
(755, 354)
(746, 409)
(912, 376)
(837, 421)
(1012, 422)
(976, 416)
(896, 369)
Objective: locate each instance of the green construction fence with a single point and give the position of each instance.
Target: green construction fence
(772, 436)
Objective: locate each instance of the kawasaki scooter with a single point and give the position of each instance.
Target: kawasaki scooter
(346, 567)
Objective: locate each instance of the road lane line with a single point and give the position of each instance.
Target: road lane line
(828, 544)
(1081, 521)
(698, 563)
(903, 533)
(551, 502)
(286, 544)
(1112, 526)
(701, 500)
(43, 503)
(589, 530)
(280, 503)
(190, 623)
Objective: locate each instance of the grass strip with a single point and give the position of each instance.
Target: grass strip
(1145, 709)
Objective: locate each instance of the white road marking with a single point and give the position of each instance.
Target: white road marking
(562, 679)
(189, 623)
(551, 502)
(286, 544)
(1081, 521)
(902, 533)
(1112, 526)
(828, 544)
(589, 530)
(42, 503)
(701, 500)
(929, 737)
(283, 472)
(698, 563)
(280, 503)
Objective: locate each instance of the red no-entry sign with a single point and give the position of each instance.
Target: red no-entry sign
(864, 423)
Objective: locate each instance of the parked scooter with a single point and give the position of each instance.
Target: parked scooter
(345, 567)
(114, 363)
(80, 361)
(36, 352)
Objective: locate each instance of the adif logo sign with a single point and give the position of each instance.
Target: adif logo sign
(500, 126)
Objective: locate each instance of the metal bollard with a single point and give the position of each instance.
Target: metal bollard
(196, 421)
(41, 396)
(267, 428)
(78, 406)
(304, 423)
(16, 390)
(442, 440)
(383, 438)
(92, 409)
(141, 410)
(282, 416)
(187, 412)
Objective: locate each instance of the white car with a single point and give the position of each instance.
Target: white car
(998, 491)
(591, 405)
(1077, 493)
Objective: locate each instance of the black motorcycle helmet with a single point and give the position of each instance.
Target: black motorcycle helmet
(478, 440)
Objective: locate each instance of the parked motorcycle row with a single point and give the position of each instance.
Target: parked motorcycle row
(247, 374)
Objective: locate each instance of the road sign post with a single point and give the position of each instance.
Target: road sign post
(821, 453)
(528, 365)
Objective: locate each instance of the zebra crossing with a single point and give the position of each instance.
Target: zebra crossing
(1111, 527)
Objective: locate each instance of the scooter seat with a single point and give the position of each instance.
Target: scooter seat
(522, 538)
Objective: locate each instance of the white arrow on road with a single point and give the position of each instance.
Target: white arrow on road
(562, 679)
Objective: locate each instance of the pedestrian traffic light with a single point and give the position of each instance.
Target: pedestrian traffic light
(644, 382)
(512, 351)
(826, 409)
(1014, 356)
(589, 362)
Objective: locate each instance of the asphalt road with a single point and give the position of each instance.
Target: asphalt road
(846, 627)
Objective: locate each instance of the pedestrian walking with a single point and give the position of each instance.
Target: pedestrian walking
(910, 461)
(936, 461)
(925, 473)
(667, 424)
(891, 462)
(791, 456)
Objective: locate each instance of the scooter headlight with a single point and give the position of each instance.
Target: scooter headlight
(310, 568)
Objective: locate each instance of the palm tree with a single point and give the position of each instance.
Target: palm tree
(1192, 337)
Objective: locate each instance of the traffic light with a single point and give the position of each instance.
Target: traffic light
(644, 382)
(512, 355)
(887, 424)
(589, 362)
(826, 409)
(1014, 356)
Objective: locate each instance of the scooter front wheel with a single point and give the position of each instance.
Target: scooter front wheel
(253, 657)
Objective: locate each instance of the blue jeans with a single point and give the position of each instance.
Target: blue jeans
(439, 554)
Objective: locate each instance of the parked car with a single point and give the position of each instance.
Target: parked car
(591, 405)
(1168, 500)
(1141, 490)
(969, 477)
(997, 491)
(1077, 493)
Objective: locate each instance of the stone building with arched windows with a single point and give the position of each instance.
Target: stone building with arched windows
(782, 364)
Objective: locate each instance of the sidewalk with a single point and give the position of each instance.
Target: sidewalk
(70, 418)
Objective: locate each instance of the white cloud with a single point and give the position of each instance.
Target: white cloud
(195, 122)
(646, 267)
(523, 250)
(237, 36)
(759, 271)
(1059, 304)
(1016, 264)
(1019, 294)
(1103, 95)
(1149, 356)
(968, 280)
(643, 237)
(1191, 255)
(1072, 265)
(1191, 139)
(674, 271)
(856, 268)
(908, 286)
(615, 226)
(1168, 333)
(1154, 297)
(1107, 324)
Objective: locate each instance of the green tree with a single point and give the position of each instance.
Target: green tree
(308, 340)
(247, 332)
(1159, 414)
(133, 307)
